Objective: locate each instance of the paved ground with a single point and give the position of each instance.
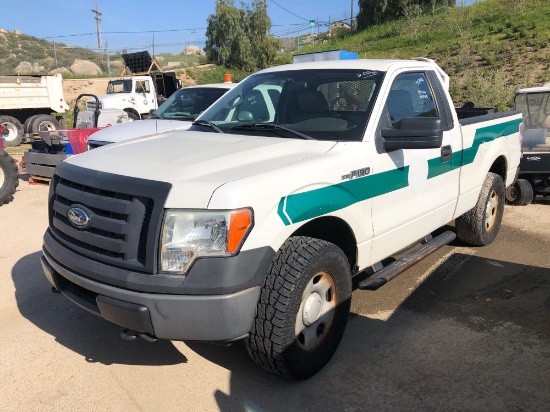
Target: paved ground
(466, 329)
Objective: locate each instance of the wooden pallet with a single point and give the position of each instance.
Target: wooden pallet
(39, 179)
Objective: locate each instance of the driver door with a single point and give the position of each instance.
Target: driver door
(419, 186)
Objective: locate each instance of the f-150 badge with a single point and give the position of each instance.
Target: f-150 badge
(354, 174)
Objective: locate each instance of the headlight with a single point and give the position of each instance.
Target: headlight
(187, 235)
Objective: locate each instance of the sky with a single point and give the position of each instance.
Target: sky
(169, 24)
(158, 26)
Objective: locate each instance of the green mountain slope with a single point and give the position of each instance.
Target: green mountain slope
(489, 49)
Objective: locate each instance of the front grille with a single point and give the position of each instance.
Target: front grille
(92, 105)
(125, 215)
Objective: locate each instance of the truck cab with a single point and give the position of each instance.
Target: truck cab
(140, 93)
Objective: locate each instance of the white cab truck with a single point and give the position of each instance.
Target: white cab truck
(140, 93)
(252, 224)
(27, 104)
(177, 113)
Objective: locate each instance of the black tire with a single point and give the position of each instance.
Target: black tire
(27, 124)
(13, 131)
(9, 177)
(303, 308)
(480, 225)
(520, 193)
(44, 122)
(132, 116)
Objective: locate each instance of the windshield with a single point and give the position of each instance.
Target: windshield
(332, 104)
(119, 86)
(189, 103)
(535, 108)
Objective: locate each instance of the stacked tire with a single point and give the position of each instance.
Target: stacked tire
(9, 177)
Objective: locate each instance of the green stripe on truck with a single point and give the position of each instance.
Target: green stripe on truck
(317, 202)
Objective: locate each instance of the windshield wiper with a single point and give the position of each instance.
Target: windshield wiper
(270, 126)
(201, 122)
(180, 116)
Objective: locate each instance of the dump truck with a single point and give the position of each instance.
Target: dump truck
(29, 104)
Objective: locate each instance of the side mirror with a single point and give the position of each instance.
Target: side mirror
(414, 133)
(245, 116)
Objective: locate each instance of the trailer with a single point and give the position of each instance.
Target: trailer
(51, 147)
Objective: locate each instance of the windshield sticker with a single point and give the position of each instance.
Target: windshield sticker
(366, 74)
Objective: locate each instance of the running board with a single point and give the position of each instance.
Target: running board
(387, 273)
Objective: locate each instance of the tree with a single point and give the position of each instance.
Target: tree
(238, 37)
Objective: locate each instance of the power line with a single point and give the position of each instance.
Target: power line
(288, 11)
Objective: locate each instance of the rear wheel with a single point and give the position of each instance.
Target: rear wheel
(44, 122)
(520, 193)
(9, 177)
(303, 308)
(27, 124)
(480, 225)
(12, 131)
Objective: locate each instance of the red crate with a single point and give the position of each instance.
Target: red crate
(78, 138)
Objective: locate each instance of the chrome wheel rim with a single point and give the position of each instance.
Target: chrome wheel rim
(10, 132)
(46, 126)
(316, 311)
(491, 210)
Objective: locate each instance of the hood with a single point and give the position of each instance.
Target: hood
(197, 163)
(108, 100)
(138, 128)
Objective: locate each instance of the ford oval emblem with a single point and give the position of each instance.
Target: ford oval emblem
(78, 217)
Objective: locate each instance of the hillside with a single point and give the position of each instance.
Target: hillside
(489, 49)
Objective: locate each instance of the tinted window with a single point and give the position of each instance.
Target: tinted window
(410, 96)
(189, 103)
(332, 104)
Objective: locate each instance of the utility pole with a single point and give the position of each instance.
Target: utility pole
(97, 20)
(351, 18)
(194, 32)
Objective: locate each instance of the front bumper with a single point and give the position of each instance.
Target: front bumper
(176, 317)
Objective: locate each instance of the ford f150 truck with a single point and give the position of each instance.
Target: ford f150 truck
(251, 224)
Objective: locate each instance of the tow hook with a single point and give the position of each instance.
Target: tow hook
(128, 334)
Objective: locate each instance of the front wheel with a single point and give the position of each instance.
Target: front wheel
(132, 116)
(303, 308)
(480, 225)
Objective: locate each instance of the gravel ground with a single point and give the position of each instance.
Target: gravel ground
(465, 329)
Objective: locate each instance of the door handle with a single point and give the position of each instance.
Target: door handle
(446, 152)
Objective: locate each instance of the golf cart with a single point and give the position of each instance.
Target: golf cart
(534, 170)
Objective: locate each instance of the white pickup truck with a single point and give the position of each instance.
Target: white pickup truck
(251, 224)
(177, 113)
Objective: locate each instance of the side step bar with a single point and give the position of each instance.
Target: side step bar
(384, 275)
